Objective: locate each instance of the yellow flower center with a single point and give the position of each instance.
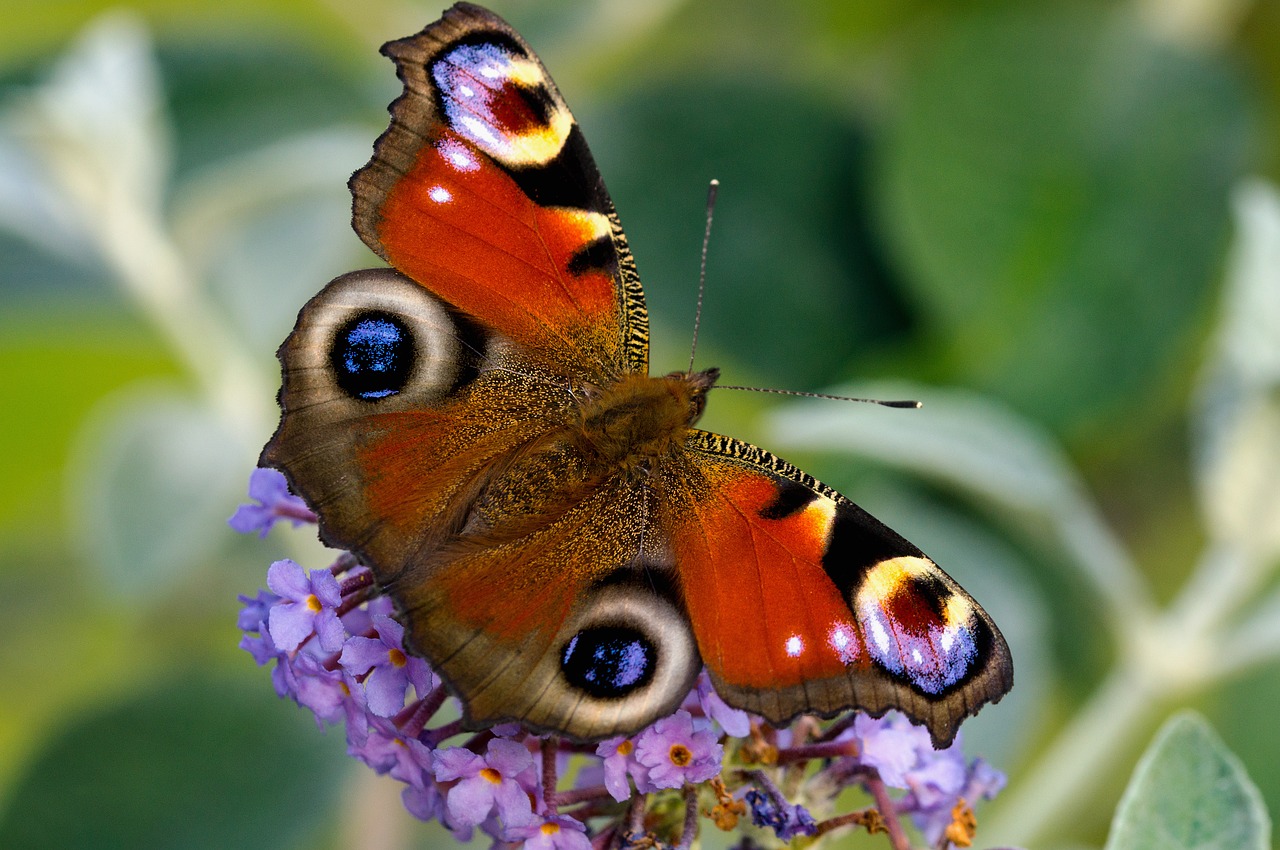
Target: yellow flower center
(625, 748)
(550, 828)
(492, 775)
(313, 604)
(680, 755)
(397, 658)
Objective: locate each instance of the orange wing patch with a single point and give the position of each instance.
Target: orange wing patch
(462, 226)
(773, 617)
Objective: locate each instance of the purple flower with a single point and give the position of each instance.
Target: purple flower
(318, 689)
(486, 783)
(422, 801)
(359, 620)
(984, 782)
(253, 622)
(734, 721)
(931, 812)
(275, 502)
(676, 753)
(255, 610)
(306, 606)
(892, 745)
(387, 751)
(282, 676)
(619, 762)
(785, 819)
(390, 670)
(938, 776)
(332, 695)
(935, 779)
(260, 647)
(557, 832)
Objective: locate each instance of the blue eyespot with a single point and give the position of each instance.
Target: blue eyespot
(372, 356)
(608, 662)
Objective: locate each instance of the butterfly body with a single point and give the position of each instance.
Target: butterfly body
(565, 546)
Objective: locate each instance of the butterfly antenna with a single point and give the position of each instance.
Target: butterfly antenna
(712, 191)
(908, 404)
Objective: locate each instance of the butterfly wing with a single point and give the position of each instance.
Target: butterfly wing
(515, 286)
(426, 407)
(568, 623)
(483, 190)
(802, 602)
(395, 410)
(524, 571)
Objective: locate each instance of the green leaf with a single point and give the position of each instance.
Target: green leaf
(795, 283)
(1057, 186)
(1189, 792)
(196, 763)
(156, 479)
(271, 227)
(91, 348)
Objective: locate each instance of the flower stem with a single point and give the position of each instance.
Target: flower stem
(434, 737)
(415, 716)
(582, 795)
(880, 793)
(826, 750)
(603, 839)
(550, 747)
(690, 830)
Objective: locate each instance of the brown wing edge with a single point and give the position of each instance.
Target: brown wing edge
(396, 148)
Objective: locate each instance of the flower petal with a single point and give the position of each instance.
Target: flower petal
(287, 579)
(470, 801)
(384, 688)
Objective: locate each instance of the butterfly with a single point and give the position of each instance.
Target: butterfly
(477, 423)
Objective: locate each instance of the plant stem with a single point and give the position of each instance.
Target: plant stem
(879, 793)
(1065, 776)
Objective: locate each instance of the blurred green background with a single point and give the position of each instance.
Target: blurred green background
(1054, 222)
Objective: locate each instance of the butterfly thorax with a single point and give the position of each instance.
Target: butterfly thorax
(639, 419)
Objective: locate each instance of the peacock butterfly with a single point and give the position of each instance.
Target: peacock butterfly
(478, 425)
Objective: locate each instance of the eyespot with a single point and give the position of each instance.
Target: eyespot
(372, 356)
(374, 337)
(609, 662)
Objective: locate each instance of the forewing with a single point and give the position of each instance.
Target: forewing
(483, 190)
(802, 602)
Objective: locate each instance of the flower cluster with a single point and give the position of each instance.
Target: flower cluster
(338, 650)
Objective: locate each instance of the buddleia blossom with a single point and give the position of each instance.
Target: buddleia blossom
(676, 753)
(387, 670)
(307, 605)
(785, 819)
(620, 765)
(335, 648)
(556, 832)
(274, 503)
(487, 784)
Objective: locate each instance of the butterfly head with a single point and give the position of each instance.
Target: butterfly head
(697, 385)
